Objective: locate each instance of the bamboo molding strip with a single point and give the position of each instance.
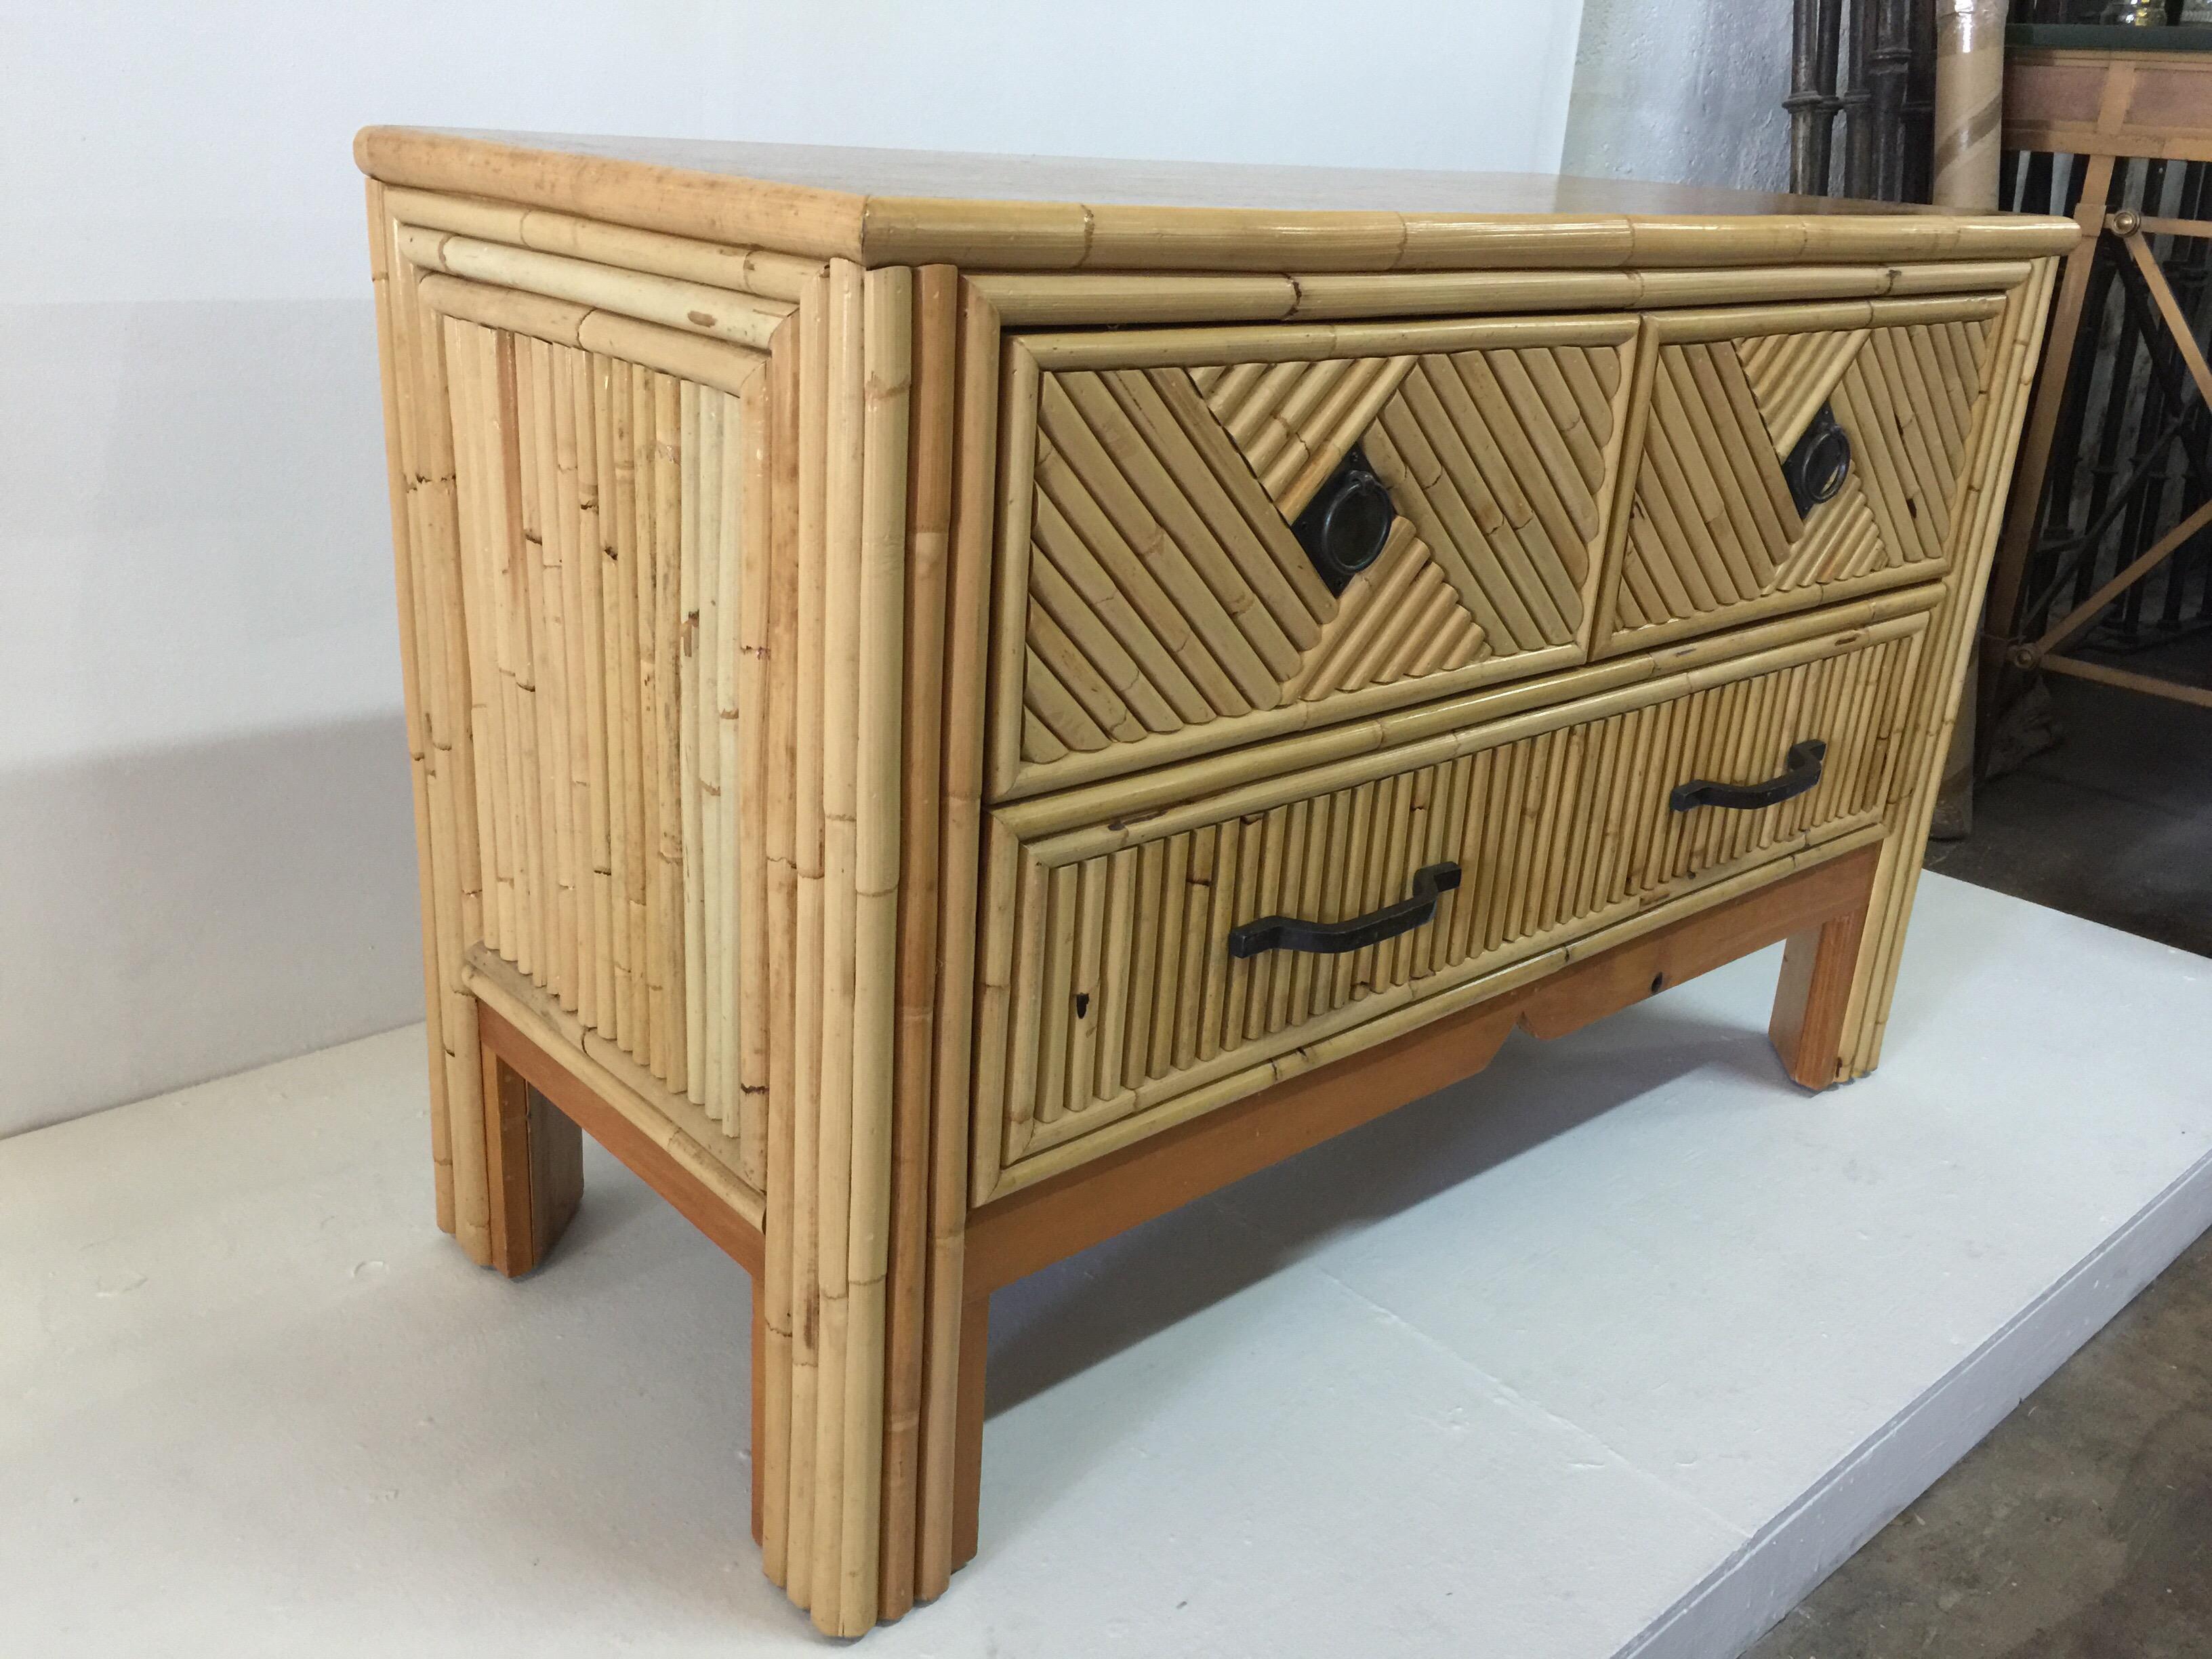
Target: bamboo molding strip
(1062, 828)
(1024, 299)
(561, 322)
(746, 269)
(719, 314)
(1192, 348)
(1166, 786)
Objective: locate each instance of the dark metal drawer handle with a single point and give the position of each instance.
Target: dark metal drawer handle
(1800, 771)
(1333, 938)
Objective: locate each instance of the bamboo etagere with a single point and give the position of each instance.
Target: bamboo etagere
(957, 703)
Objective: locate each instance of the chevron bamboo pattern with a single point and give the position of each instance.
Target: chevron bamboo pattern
(1166, 587)
(611, 566)
(1167, 591)
(1294, 422)
(1497, 458)
(1398, 619)
(1711, 526)
(1129, 997)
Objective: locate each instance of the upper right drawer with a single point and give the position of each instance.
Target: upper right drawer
(1790, 456)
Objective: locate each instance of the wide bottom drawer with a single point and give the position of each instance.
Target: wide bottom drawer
(1138, 970)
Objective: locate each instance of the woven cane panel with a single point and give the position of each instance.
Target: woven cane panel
(1711, 528)
(1167, 590)
(604, 510)
(1124, 996)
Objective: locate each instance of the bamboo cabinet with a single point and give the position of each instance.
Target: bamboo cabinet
(957, 703)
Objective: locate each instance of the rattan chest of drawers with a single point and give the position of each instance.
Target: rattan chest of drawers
(958, 703)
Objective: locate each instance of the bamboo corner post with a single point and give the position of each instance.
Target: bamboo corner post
(944, 725)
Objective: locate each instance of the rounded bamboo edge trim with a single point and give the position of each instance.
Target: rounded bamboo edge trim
(1162, 788)
(1215, 801)
(687, 357)
(749, 271)
(1026, 299)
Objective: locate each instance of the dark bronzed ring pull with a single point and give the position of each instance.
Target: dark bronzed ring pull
(1800, 771)
(1818, 462)
(1345, 526)
(1333, 938)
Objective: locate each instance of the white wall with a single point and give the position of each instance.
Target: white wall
(206, 846)
(1686, 91)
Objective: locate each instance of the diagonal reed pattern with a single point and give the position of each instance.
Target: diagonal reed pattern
(1711, 526)
(1167, 590)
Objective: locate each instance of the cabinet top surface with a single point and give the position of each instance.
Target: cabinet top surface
(890, 206)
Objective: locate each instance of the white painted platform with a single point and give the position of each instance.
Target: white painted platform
(1615, 1350)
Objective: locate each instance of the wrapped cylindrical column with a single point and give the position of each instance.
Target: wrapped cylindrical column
(1969, 100)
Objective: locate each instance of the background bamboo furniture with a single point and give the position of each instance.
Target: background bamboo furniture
(2112, 507)
(868, 688)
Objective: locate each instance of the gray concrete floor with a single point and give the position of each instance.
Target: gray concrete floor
(2081, 1529)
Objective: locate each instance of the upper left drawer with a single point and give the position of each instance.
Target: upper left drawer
(1210, 537)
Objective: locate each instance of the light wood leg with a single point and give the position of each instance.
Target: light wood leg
(534, 1165)
(1815, 990)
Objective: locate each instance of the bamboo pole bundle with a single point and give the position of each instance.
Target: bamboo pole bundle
(775, 720)
(425, 553)
(804, 1570)
(923, 712)
(871, 386)
(844, 559)
(392, 352)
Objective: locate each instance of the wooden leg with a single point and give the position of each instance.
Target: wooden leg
(534, 1165)
(1817, 968)
(967, 1451)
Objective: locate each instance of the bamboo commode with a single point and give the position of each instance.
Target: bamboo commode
(931, 780)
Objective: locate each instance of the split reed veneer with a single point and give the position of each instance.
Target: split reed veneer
(959, 702)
